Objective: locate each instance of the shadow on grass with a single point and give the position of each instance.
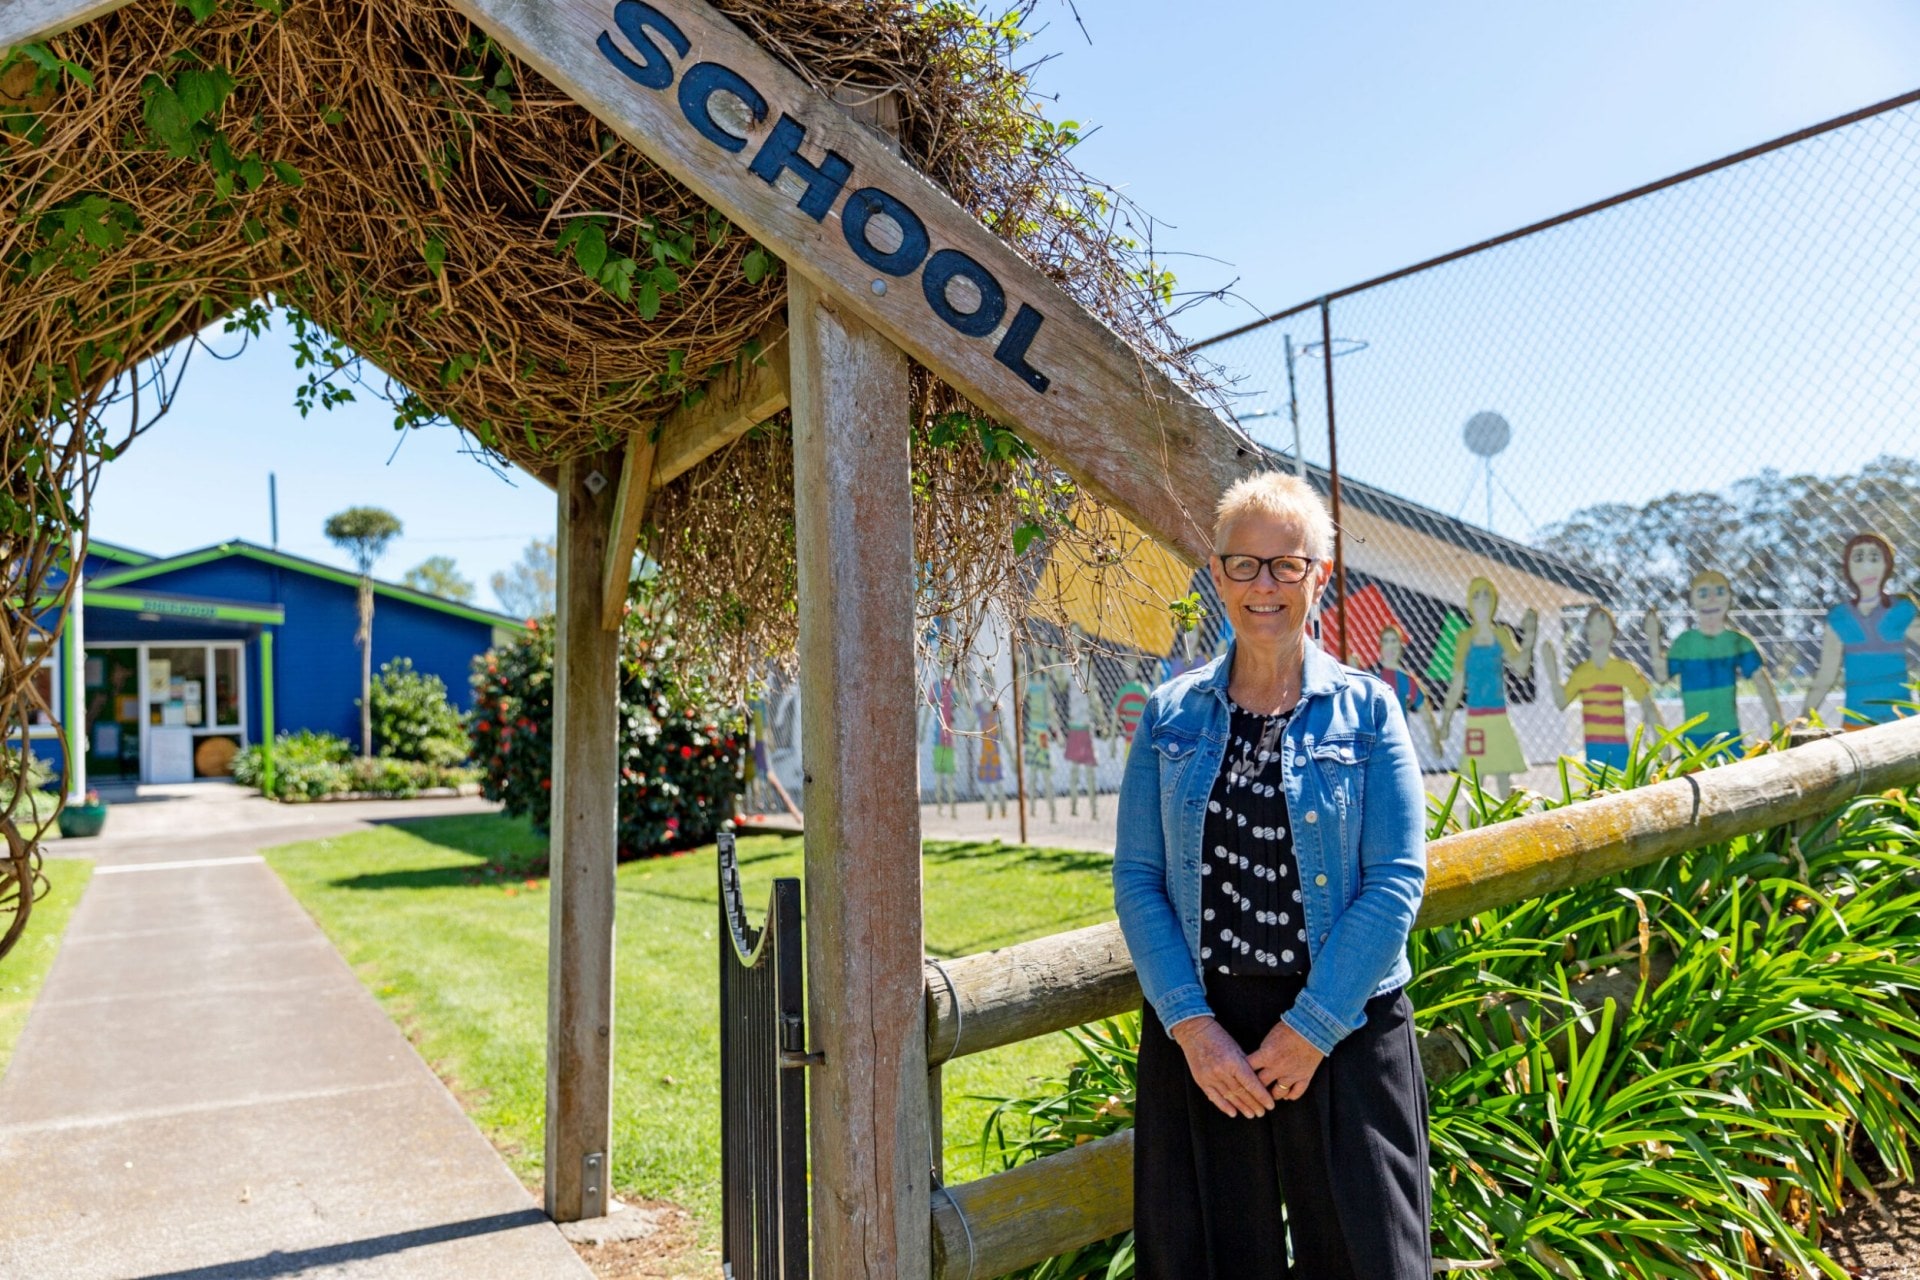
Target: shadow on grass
(496, 849)
(996, 854)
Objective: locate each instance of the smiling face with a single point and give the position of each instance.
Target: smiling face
(1711, 598)
(1264, 611)
(1391, 647)
(1867, 569)
(1599, 630)
(1481, 602)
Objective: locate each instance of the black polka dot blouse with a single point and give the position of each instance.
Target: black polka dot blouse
(1250, 916)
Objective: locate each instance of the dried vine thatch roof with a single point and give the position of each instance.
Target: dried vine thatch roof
(417, 198)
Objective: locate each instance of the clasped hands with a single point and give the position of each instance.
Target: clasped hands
(1243, 1084)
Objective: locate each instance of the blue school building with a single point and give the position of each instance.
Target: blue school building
(172, 664)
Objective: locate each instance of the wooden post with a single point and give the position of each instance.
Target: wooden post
(585, 822)
(853, 515)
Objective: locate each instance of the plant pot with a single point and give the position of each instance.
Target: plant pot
(78, 821)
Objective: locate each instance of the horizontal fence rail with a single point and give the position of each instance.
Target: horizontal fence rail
(1021, 1217)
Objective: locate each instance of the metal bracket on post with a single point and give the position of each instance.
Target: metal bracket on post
(593, 1185)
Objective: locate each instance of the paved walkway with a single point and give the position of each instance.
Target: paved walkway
(204, 1090)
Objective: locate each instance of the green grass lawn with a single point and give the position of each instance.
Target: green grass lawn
(25, 968)
(452, 937)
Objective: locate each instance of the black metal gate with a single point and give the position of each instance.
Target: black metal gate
(763, 1085)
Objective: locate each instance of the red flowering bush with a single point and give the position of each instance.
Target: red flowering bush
(681, 748)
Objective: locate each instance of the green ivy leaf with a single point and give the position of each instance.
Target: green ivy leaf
(647, 300)
(434, 251)
(200, 9)
(1023, 537)
(202, 92)
(501, 101)
(756, 265)
(590, 250)
(288, 174)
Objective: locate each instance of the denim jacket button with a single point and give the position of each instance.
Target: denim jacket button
(1320, 879)
(1312, 817)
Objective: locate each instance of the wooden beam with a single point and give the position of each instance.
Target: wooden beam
(1036, 988)
(853, 526)
(746, 395)
(803, 177)
(584, 824)
(629, 510)
(1012, 1220)
(31, 21)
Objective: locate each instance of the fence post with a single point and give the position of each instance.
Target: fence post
(1333, 474)
(585, 826)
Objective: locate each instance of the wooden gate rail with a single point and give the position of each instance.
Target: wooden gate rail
(1014, 1219)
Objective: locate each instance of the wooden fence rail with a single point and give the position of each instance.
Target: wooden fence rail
(1014, 1219)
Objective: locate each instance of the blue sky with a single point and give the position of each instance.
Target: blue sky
(1303, 147)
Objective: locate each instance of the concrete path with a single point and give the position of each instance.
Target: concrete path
(205, 1090)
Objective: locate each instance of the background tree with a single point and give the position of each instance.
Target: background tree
(438, 576)
(363, 533)
(527, 589)
(1778, 537)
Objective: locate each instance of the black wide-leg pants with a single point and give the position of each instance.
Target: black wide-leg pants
(1346, 1161)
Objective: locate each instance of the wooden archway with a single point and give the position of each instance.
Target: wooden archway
(882, 266)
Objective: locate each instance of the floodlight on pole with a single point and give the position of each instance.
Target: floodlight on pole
(1486, 435)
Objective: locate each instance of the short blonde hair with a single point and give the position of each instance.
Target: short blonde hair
(1282, 494)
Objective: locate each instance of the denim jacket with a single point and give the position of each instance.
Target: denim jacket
(1358, 813)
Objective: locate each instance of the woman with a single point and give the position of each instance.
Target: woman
(1269, 865)
(1866, 640)
(1481, 657)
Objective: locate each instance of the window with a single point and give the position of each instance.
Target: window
(43, 720)
(226, 688)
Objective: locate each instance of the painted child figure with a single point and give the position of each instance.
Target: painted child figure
(1602, 683)
(941, 711)
(1710, 658)
(1866, 640)
(1405, 684)
(1041, 734)
(1481, 657)
(1082, 763)
(990, 770)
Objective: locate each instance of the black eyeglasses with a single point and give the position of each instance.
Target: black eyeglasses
(1285, 569)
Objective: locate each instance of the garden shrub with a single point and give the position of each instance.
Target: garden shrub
(413, 719)
(308, 766)
(34, 772)
(681, 746)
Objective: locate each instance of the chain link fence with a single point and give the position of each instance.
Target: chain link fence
(1658, 456)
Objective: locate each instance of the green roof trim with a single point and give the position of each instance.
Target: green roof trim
(114, 551)
(299, 564)
(187, 607)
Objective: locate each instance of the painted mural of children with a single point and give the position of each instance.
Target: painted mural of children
(1129, 700)
(1866, 640)
(1405, 684)
(1481, 657)
(1040, 733)
(1710, 658)
(1082, 764)
(1602, 683)
(940, 713)
(989, 770)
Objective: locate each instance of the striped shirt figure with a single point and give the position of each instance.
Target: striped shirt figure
(1602, 684)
